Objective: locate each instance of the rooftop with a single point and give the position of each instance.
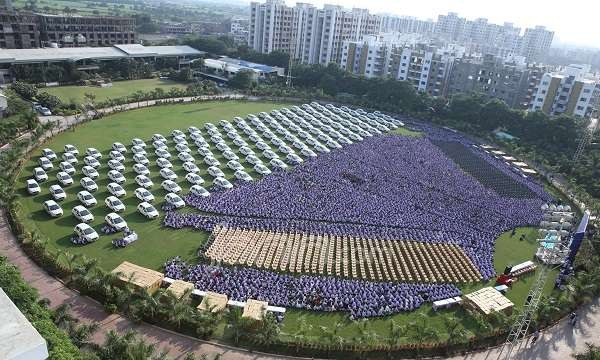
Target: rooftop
(18, 338)
(39, 55)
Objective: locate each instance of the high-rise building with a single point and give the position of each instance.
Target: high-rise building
(535, 43)
(450, 27)
(406, 25)
(309, 34)
(19, 30)
(569, 91)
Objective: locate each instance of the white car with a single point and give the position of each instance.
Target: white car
(64, 178)
(199, 191)
(262, 146)
(277, 141)
(201, 143)
(182, 148)
(174, 200)
(86, 198)
(144, 195)
(242, 175)
(196, 137)
(72, 149)
(230, 155)
(115, 221)
(140, 159)
(193, 130)
(246, 151)
(49, 154)
(261, 169)
(115, 155)
(57, 192)
(116, 189)
(90, 172)
(285, 149)
(138, 142)
(45, 163)
(70, 158)
(67, 167)
(205, 152)
(158, 137)
(177, 132)
(39, 174)
(114, 204)
(252, 159)
(116, 176)
(115, 165)
(234, 165)
(269, 154)
(93, 153)
(136, 149)
(33, 188)
(91, 161)
(86, 232)
(194, 178)
(163, 163)
(308, 153)
(277, 163)
(147, 210)
(159, 145)
(321, 148)
(333, 144)
(162, 153)
(190, 167)
(168, 174)
(140, 169)
(88, 184)
(185, 157)
(215, 172)
(171, 186)
(179, 140)
(240, 142)
(223, 183)
(211, 161)
(117, 146)
(222, 146)
(144, 181)
(52, 208)
(82, 214)
(293, 159)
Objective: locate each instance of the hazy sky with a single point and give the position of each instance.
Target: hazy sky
(573, 21)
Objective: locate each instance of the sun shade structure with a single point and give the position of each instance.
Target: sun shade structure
(213, 302)
(179, 287)
(18, 338)
(139, 277)
(255, 309)
(487, 300)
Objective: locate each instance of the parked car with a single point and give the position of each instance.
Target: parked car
(144, 181)
(144, 195)
(71, 149)
(168, 174)
(140, 169)
(33, 188)
(52, 208)
(114, 204)
(86, 198)
(199, 191)
(45, 163)
(57, 192)
(91, 161)
(223, 183)
(147, 210)
(93, 153)
(67, 167)
(82, 214)
(116, 189)
(39, 174)
(117, 146)
(115, 221)
(140, 159)
(174, 200)
(194, 178)
(85, 232)
(49, 154)
(116, 176)
(171, 186)
(88, 184)
(90, 172)
(64, 178)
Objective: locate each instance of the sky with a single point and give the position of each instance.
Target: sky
(574, 22)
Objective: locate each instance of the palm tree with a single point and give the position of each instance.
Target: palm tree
(456, 332)
(423, 333)
(80, 335)
(62, 317)
(69, 262)
(178, 312)
(397, 332)
(237, 326)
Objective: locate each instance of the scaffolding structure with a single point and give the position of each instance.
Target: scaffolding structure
(587, 138)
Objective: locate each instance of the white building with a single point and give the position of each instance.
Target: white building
(536, 42)
(309, 34)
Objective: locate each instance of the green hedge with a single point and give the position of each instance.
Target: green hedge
(26, 299)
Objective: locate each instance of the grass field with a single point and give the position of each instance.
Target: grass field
(117, 90)
(157, 244)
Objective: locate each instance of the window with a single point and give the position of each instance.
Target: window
(583, 99)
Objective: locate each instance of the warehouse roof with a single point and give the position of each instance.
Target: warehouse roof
(32, 56)
(18, 338)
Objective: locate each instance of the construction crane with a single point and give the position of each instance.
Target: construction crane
(587, 137)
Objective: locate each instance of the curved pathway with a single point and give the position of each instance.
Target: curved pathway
(558, 342)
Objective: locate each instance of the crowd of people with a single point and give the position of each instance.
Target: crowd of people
(362, 299)
(394, 188)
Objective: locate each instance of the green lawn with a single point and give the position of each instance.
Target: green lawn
(155, 244)
(117, 90)
(406, 132)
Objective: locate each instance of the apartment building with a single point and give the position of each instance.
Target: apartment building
(239, 30)
(492, 76)
(536, 42)
(309, 34)
(569, 91)
(426, 69)
(406, 25)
